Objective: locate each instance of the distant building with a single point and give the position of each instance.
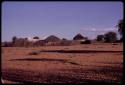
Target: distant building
(52, 38)
(79, 37)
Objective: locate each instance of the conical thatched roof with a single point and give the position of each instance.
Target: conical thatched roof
(52, 38)
(78, 37)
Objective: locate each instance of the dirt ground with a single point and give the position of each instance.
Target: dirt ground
(92, 63)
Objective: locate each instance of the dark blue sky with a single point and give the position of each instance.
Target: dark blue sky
(63, 19)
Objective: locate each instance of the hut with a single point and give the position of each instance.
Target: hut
(52, 38)
(79, 37)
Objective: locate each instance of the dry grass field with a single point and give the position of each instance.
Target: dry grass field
(89, 63)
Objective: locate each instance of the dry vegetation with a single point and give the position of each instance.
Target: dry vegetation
(92, 63)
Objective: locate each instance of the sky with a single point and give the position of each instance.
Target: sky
(62, 19)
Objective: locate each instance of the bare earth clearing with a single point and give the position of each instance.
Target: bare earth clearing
(92, 63)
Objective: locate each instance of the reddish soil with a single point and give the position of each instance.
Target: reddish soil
(92, 63)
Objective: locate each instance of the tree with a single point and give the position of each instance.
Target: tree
(100, 37)
(110, 37)
(120, 28)
(14, 39)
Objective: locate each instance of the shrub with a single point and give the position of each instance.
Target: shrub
(7, 44)
(86, 42)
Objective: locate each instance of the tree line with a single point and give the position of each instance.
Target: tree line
(109, 37)
(112, 36)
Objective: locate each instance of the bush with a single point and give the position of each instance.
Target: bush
(7, 44)
(86, 42)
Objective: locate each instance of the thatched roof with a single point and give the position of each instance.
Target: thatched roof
(52, 38)
(78, 37)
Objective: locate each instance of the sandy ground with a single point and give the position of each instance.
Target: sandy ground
(56, 67)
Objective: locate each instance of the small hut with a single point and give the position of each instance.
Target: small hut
(52, 38)
(79, 37)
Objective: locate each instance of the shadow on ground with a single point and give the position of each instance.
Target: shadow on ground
(39, 59)
(45, 60)
(81, 51)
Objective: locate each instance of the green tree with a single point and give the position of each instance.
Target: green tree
(14, 39)
(100, 37)
(110, 37)
(120, 28)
